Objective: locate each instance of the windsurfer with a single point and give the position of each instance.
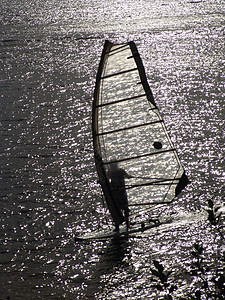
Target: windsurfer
(117, 182)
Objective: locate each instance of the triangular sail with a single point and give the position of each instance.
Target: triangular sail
(128, 130)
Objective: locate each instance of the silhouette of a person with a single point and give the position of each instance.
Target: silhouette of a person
(117, 184)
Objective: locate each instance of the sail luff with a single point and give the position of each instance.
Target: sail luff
(112, 206)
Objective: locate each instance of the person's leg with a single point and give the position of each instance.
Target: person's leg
(126, 213)
(117, 228)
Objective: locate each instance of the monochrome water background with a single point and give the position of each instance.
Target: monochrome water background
(50, 51)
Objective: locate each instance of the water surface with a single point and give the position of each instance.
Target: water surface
(49, 192)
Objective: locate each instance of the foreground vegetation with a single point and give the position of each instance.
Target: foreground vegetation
(207, 280)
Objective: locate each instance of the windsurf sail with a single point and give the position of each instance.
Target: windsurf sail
(128, 131)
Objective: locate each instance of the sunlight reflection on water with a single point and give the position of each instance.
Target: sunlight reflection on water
(49, 190)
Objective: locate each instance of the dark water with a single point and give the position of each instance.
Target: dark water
(50, 52)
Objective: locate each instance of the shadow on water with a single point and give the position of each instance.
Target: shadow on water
(111, 259)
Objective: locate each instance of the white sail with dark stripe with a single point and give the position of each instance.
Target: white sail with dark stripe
(128, 130)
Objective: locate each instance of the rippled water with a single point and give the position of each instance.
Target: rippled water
(50, 52)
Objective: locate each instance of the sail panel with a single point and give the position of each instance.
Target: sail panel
(120, 86)
(128, 130)
(117, 147)
(135, 111)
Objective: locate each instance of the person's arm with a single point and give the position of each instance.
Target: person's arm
(125, 174)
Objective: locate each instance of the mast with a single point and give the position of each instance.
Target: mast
(103, 179)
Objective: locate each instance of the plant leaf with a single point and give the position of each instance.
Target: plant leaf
(158, 266)
(210, 203)
(156, 273)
